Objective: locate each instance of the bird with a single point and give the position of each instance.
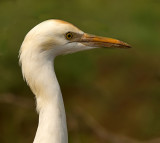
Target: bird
(40, 47)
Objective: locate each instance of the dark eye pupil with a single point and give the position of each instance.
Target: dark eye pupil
(69, 35)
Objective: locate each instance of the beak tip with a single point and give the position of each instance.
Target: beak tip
(125, 45)
(128, 46)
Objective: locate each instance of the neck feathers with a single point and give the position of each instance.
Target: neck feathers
(38, 71)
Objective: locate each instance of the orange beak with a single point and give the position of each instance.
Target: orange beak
(97, 41)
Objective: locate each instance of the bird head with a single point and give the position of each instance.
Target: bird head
(58, 37)
(52, 38)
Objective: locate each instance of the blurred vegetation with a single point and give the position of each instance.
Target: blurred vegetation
(110, 95)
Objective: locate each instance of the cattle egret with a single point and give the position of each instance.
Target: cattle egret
(38, 51)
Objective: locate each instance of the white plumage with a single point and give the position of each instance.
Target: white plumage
(38, 51)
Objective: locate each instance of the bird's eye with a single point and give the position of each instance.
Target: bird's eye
(69, 35)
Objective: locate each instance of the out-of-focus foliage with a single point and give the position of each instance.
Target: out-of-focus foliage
(108, 93)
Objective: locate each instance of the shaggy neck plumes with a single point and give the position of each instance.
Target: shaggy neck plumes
(39, 74)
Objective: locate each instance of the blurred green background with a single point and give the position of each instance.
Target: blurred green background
(110, 95)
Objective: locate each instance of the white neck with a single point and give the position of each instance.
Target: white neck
(40, 75)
